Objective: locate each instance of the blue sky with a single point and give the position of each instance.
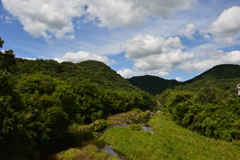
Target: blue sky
(172, 39)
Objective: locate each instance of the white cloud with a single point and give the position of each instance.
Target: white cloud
(227, 27)
(162, 64)
(206, 36)
(178, 79)
(141, 46)
(126, 73)
(45, 18)
(83, 56)
(8, 19)
(210, 57)
(155, 55)
(53, 19)
(129, 13)
(188, 31)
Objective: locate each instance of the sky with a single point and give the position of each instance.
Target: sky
(172, 39)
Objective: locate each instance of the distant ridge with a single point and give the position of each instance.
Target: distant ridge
(224, 75)
(223, 71)
(152, 84)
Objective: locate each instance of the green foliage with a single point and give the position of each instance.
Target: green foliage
(99, 125)
(152, 84)
(137, 110)
(39, 83)
(16, 140)
(210, 112)
(7, 60)
(56, 120)
(135, 127)
(1, 42)
(129, 117)
(224, 76)
(168, 141)
(90, 152)
(39, 99)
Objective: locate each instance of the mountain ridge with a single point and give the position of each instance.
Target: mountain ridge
(217, 75)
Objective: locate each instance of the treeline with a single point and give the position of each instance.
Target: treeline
(40, 99)
(210, 111)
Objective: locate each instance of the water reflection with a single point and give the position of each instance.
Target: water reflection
(75, 139)
(146, 127)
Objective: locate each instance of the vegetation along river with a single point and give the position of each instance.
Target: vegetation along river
(76, 139)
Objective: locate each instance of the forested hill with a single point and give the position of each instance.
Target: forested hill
(223, 71)
(224, 76)
(40, 99)
(153, 84)
(207, 104)
(93, 71)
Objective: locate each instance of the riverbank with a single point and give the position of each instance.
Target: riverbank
(168, 142)
(84, 135)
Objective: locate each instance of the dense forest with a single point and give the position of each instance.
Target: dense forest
(153, 84)
(39, 99)
(207, 104)
(210, 112)
(224, 76)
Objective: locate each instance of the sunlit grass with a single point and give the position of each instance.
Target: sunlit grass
(90, 152)
(169, 141)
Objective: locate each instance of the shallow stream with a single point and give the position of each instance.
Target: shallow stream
(75, 139)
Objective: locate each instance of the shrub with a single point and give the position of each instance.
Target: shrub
(99, 125)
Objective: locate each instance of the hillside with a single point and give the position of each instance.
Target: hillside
(223, 71)
(153, 84)
(224, 76)
(40, 99)
(93, 71)
(168, 142)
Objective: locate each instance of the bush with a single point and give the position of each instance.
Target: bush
(137, 110)
(99, 125)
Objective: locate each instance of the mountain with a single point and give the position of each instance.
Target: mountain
(223, 71)
(224, 76)
(92, 71)
(153, 84)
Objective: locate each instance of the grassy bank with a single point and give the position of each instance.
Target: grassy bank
(89, 152)
(169, 141)
(133, 116)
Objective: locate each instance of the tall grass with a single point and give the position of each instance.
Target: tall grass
(90, 152)
(169, 141)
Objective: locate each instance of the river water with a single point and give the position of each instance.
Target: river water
(75, 139)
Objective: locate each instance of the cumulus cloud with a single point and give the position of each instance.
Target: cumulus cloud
(188, 31)
(178, 79)
(155, 55)
(227, 27)
(162, 64)
(53, 19)
(126, 73)
(45, 18)
(210, 57)
(132, 12)
(83, 56)
(145, 45)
